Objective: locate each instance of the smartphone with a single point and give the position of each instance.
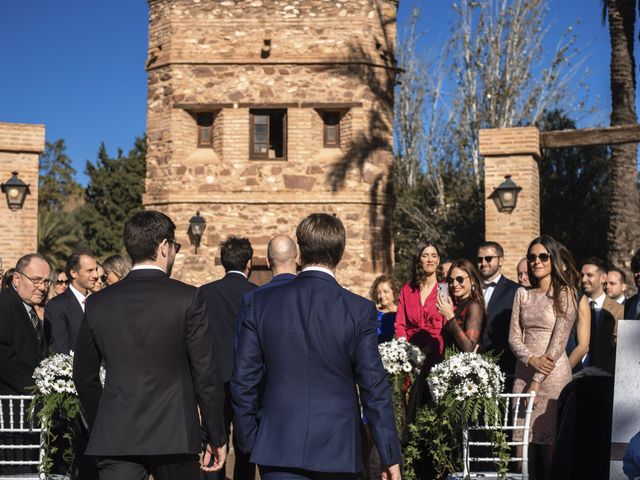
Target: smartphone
(443, 289)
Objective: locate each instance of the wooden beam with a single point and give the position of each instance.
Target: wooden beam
(590, 136)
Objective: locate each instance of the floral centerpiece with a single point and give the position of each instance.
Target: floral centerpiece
(57, 408)
(464, 389)
(402, 362)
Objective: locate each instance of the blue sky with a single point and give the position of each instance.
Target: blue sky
(78, 66)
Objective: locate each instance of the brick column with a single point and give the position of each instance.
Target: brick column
(515, 152)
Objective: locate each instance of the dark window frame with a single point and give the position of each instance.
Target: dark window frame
(205, 130)
(253, 113)
(327, 126)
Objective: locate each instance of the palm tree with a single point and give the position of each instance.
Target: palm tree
(58, 235)
(624, 210)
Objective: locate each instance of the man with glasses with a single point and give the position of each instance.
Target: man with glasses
(64, 312)
(22, 341)
(162, 376)
(498, 292)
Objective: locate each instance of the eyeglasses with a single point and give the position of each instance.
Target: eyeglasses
(544, 257)
(487, 258)
(62, 282)
(37, 281)
(460, 280)
(176, 245)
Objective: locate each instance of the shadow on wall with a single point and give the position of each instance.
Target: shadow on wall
(374, 144)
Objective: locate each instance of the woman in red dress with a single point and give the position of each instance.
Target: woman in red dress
(417, 318)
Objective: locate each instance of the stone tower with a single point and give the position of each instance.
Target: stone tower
(263, 111)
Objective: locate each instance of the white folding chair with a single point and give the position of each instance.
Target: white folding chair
(18, 433)
(473, 451)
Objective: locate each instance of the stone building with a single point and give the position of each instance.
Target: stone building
(20, 147)
(263, 111)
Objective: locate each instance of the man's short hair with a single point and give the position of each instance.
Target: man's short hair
(235, 252)
(635, 262)
(144, 232)
(623, 276)
(73, 262)
(321, 238)
(24, 261)
(600, 264)
(495, 245)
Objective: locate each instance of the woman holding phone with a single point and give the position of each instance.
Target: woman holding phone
(464, 315)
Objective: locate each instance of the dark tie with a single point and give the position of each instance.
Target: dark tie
(489, 284)
(36, 323)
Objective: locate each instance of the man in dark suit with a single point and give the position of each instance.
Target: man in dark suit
(64, 312)
(498, 292)
(153, 335)
(22, 341)
(317, 341)
(224, 298)
(632, 305)
(605, 314)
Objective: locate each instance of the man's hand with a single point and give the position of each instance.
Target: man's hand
(391, 472)
(542, 364)
(218, 455)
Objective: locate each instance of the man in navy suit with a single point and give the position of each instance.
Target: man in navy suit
(302, 349)
(498, 292)
(64, 313)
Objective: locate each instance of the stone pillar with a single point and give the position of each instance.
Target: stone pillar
(515, 152)
(20, 146)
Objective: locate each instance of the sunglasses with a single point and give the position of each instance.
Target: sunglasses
(176, 245)
(487, 258)
(62, 282)
(460, 280)
(544, 257)
(103, 278)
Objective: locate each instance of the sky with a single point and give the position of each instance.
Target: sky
(77, 66)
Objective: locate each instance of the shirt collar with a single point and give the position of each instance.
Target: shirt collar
(147, 267)
(621, 299)
(79, 296)
(495, 280)
(236, 271)
(319, 269)
(599, 301)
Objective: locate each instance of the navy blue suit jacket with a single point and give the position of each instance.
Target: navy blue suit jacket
(62, 319)
(496, 333)
(306, 345)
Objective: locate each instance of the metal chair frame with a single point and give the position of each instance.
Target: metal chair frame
(18, 422)
(511, 403)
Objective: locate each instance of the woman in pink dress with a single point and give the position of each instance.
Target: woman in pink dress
(542, 319)
(417, 318)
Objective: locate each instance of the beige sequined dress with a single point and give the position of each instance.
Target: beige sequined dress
(537, 330)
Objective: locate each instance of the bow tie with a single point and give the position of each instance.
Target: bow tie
(489, 284)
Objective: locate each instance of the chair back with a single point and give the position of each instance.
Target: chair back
(19, 435)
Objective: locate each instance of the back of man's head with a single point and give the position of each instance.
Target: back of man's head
(144, 231)
(282, 253)
(235, 253)
(321, 238)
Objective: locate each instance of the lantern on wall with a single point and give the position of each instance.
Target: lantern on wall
(505, 196)
(16, 191)
(197, 225)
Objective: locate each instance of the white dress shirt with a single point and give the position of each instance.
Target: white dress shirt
(79, 296)
(319, 269)
(487, 290)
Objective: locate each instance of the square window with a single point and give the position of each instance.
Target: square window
(268, 134)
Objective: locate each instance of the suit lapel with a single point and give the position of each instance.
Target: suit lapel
(75, 304)
(497, 292)
(25, 323)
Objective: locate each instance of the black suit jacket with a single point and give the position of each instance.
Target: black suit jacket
(62, 317)
(630, 307)
(224, 299)
(20, 351)
(154, 338)
(496, 333)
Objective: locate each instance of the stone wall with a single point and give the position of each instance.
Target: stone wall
(515, 152)
(20, 146)
(207, 56)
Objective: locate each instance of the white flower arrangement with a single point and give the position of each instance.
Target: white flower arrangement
(399, 356)
(466, 376)
(55, 375)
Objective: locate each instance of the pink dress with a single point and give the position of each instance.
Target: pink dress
(537, 330)
(420, 324)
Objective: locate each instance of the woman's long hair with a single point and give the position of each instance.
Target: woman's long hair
(474, 277)
(569, 266)
(560, 279)
(418, 274)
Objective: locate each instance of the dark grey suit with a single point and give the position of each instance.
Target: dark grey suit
(62, 318)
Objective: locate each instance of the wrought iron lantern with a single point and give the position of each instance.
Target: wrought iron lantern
(16, 191)
(197, 225)
(505, 196)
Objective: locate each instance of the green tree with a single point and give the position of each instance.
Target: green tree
(113, 193)
(58, 235)
(56, 183)
(575, 188)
